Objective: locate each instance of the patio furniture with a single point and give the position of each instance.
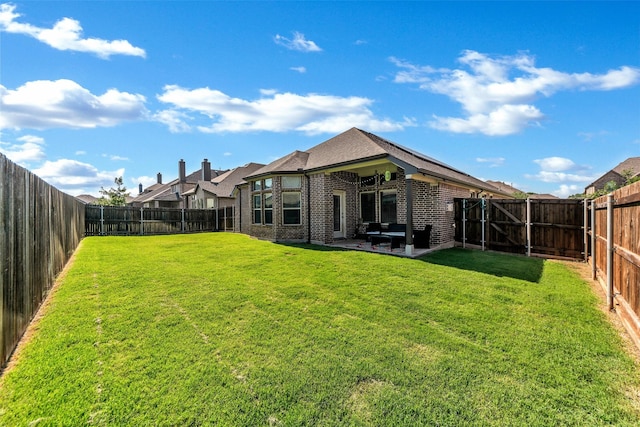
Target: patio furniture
(393, 233)
(373, 229)
(421, 237)
(394, 241)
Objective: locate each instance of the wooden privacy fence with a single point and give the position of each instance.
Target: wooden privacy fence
(40, 228)
(544, 227)
(128, 221)
(615, 251)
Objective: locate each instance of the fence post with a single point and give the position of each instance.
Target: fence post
(610, 295)
(102, 220)
(482, 221)
(182, 226)
(464, 223)
(528, 226)
(593, 239)
(585, 220)
(141, 221)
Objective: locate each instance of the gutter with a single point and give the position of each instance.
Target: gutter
(308, 207)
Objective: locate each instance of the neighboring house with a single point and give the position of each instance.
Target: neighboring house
(172, 194)
(513, 191)
(87, 199)
(218, 192)
(334, 189)
(632, 164)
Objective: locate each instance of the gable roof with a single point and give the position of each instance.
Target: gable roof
(86, 198)
(504, 187)
(224, 184)
(356, 146)
(632, 164)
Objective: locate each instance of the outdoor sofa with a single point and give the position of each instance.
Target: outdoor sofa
(395, 233)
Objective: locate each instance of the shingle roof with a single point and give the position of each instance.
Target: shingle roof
(504, 187)
(632, 164)
(354, 146)
(290, 163)
(224, 184)
(86, 198)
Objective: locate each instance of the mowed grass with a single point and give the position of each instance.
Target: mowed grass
(220, 329)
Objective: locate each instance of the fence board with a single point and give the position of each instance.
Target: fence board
(129, 221)
(40, 228)
(625, 268)
(556, 225)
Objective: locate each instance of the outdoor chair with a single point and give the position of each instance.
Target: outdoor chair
(373, 228)
(421, 237)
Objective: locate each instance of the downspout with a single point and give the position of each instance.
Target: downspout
(239, 210)
(308, 207)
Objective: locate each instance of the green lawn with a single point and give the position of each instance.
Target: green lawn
(222, 329)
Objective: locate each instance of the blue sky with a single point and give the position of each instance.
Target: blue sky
(542, 95)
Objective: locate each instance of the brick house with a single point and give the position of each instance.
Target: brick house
(175, 193)
(617, 175)
(218, 192)
(333, 190)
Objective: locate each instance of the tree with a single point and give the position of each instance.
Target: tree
(629, 178)
(522, 195)
(114, 196)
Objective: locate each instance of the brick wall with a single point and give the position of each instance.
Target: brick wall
(321, 209)
(430, 207)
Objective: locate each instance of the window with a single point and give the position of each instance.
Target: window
(257, 209)
(368, 206)
(291, 208)
(268, 208)
(388, 206)
(262, 201)
(291, 182)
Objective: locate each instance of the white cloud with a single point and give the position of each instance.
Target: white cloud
(550, 176)
(227, 153)
(80, 153)
(43, 104)
(66, 34)
(504, 120)
(30, 149)
(492, 161)
(555, 164)
(562, 170)
(590, 136)
(115, 157)
(299, 42)
(74, 177)
(146, 181)
(300, 70)
(565, 191)
(496, 93)
(273, 112)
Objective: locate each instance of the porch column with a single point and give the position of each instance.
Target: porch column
(409, 227)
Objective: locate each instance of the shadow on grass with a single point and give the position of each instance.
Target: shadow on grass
(496, 264)
(493, 263)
